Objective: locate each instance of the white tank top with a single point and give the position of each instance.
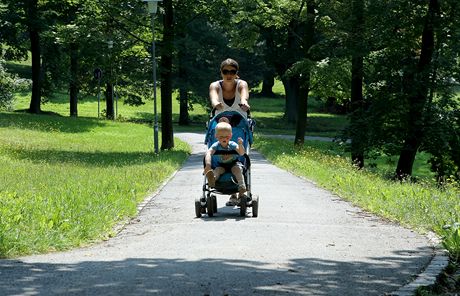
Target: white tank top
(236, 104)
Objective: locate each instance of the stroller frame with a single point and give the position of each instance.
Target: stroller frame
(225, 185)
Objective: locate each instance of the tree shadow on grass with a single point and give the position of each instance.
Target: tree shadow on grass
(144, 117)
(96, 158)
(315, 124)
(48, 122)
(162, 276)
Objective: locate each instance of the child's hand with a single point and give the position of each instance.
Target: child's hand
(240, 141)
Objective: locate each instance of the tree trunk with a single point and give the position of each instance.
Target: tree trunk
(291, 89)
(357, 103)
(184, 118)
(74, 80)
(418, 97)
(267, 85)
(301, 126)
(34, 35)
(183, 107)
(356, 119)
(109, 108)
(166, 78)
(304, 79)
(295, 50)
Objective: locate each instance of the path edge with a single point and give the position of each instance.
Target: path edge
(432, 270)
(141, 206)
(429, 275)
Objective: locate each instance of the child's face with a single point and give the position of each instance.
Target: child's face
(224, 119)
(223, 137)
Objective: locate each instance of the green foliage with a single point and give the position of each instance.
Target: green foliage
(421, 206)
(331, 80)
(8, 85)
(451, 239)
(443, 138)
(203, 40)
(6, 88)
(393, 80)
(67, 181)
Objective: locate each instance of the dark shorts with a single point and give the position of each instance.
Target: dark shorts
(228, 166)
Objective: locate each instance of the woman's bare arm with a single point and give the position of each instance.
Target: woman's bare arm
(214, 96)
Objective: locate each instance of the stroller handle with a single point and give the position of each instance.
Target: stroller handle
(213, 112)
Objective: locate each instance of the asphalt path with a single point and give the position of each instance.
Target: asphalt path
(306, 241)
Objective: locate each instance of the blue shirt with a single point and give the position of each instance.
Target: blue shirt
(225, 158)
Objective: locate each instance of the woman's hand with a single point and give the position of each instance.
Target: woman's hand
(244, 106)
(219, 106)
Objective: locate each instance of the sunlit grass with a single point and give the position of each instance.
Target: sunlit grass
(66, 182)
(268, 113)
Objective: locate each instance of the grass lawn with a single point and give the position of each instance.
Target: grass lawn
(267, 111)
(68, 181)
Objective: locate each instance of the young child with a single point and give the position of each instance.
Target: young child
(226, 162)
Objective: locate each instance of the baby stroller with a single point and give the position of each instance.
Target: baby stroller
(226, 185)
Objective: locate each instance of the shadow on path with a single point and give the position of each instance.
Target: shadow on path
(145, 276)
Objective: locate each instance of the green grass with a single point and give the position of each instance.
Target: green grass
(386, 164)
(88, 108)
(20, 68)
(66, 182)
(267, 111)
(420, 206)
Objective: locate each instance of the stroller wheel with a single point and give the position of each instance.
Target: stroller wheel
(210, 206)
(214, 203)
(243, 206)
(198, 207)
(255, 206)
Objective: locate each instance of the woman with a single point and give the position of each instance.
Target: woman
(230, 93)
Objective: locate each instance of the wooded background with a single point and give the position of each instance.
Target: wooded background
(393, 66)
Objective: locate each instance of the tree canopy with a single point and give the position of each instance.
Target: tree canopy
(393, 66)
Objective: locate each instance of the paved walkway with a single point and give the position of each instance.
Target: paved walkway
(305, 241)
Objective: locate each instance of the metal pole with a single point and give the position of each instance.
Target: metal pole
(155, 121)
(115, 90)
(98, 97)
(111, 79)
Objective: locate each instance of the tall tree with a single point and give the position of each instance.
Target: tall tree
(304, 87)
(357, 117)
(34, 34)
(74, 80)
(166, 77)
(442, 136)
(418, 94)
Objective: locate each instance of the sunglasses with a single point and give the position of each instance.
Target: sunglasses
(232, 72)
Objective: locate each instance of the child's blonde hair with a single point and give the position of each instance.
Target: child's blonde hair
(223, 127)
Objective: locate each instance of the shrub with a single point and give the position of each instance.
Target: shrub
(8, 85)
